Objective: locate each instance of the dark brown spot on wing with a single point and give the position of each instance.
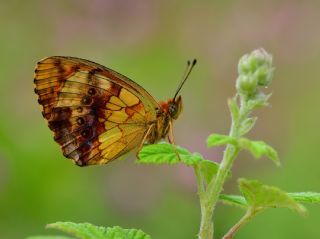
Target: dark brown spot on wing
(86, 133)
(80, 121)
(79, 109)
(92, 91)
(86, 100)
(77, 135)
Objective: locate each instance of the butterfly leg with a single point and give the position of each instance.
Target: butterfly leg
(144, 140)
(171, 140)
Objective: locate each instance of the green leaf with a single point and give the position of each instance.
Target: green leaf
(302, 197)
(208, 169)
(258, 149)
(233, 200)
(260, 196)
(234, 108)
(247, 125)
(306, 197)
(219, 139)
(48, 237)
(164, 153)
(89, 231)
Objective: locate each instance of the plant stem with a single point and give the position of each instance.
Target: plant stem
(214, 188)
(200, 183)
(210, 197)
(255, 71)
(249, 214)
(230, 153)
(206, 226)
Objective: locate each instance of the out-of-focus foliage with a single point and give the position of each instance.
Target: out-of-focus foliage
(89, 231)
(150, 41)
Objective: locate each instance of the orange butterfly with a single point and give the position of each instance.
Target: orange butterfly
(97, 114)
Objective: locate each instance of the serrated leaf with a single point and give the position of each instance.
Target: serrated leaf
(234, 108)
(306, 197)
(89, 231)
(302, 197)
(260, 196)
(247, 125)
(48, 237)
(164, 153)
(258, 149)
(219, 139)
(233, 200)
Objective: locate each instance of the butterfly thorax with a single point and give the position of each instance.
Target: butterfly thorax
(168, 111)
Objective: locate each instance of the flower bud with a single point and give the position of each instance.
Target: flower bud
(255, 69)
(246, 85)
(264, 75)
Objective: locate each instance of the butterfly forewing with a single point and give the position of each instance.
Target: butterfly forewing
(96, 114)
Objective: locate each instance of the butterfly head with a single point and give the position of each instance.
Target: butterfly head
(175, 107)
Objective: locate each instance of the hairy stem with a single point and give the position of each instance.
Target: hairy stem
(214, 188)
(200, 182)
(233, 230)
(206, 226)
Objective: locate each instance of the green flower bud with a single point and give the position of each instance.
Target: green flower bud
(251, 62)
(264, 75)
(255, 69)
(246, 85)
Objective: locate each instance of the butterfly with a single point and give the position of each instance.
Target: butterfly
(97, 114)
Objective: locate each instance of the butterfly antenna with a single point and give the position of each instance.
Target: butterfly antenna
(185, 76)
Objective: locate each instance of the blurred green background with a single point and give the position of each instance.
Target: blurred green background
(150, 41)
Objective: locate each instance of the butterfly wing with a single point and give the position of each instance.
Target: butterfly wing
(96, 114)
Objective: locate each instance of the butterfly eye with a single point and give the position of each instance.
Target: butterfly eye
(172, 109)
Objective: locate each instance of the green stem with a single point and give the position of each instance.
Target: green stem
(214, 188)
(255, 70)
(233, 230)
(230, 153)
(200, 182)
(206, 225)
(209, 199)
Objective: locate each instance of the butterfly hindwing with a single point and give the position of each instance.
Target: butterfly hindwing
(95, 113)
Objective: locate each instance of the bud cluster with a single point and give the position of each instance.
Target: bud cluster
(255, 70)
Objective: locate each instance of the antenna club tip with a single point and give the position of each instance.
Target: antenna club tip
(194, 62)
